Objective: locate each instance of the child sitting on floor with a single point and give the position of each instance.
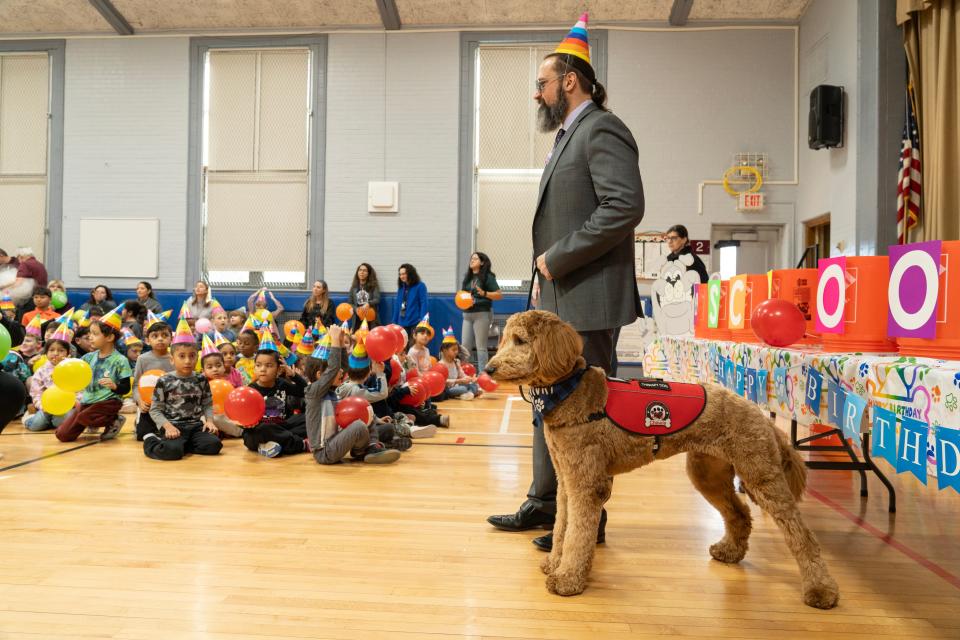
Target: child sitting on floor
(42, 308)
(56, 349)
(279, 432)
(418, 355)
(237, 318)
(328, 442)
(158, 358)
(211, 365)
(101, 401)
(367, 380)
(247, 343)
(182, 407)
(229, 353)
(221, 324)
(459, 385)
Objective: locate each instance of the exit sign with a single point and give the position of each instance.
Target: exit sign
(750, 201)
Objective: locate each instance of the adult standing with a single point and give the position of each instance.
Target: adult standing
(411, 303)
(8, 269)
(678, 241)
(147, 297)
(364, 294)
(591, 199)
(31, 268)
(201, 303)
(318, 305)
(480, 281)
(99, 295)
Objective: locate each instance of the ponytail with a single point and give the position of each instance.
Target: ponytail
(599, 95)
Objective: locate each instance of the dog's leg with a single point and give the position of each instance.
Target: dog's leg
(549, 564)
(586, 494)
(713, 477)
(820, 590)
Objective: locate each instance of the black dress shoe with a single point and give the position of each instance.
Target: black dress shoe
(545, 543)
(528, 517)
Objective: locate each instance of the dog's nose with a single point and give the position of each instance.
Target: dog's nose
(490, 370)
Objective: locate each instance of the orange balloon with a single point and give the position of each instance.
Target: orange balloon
(433, 360)
(220, 390)
(367, 314)
(344, 311)
(148, 382)
(463, 300)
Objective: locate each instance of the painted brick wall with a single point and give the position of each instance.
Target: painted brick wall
(125, 145)
(392, 114)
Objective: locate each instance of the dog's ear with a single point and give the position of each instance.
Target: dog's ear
(557, 348)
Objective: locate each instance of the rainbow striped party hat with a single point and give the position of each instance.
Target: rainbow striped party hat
(576, 43)
(183, 335)
(208, 348)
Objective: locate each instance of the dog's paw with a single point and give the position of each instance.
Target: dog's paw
(823, 595)
(728, 552)
(565, 584)
(549, 564)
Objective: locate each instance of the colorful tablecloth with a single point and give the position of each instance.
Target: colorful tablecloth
(921, 389)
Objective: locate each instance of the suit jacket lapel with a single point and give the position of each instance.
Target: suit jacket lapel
(548, 170)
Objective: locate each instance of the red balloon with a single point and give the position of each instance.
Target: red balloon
(399, 337)
(777, 322)
(436, 382)
(441, 369)
(352, 409)
(380, 343)
(469, 369)
(413, 374)
(418, 395)
(396, 368)
(486, 382)
(245, 406)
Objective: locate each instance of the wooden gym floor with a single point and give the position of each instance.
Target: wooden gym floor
(100, 542)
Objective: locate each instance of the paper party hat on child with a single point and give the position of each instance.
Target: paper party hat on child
(219, 339)
(130, 338)
(363, 331)
(261, 297)
(322, 352)
(305, 346)
(183, 335)
(576, 42)
(209, 347)
(153, 318)
(358, 357)
(33, 329)
(63, 333)
(217, 309)
(6, 302)
(185, 311)
(267, 343)
(449, 337)
(426, 323)
(319, 328)
(112, 318)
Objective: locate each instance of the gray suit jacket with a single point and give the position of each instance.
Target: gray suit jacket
(591, 199)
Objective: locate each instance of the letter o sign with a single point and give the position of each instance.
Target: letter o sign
(912, 294)
(831, 299)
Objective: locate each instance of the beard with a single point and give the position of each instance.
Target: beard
(550, 117)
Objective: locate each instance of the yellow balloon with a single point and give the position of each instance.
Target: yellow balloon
(72, 374)
(56, 401)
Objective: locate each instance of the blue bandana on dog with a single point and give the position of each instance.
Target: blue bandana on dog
(546, 399)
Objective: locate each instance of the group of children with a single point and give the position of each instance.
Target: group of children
(168, 374)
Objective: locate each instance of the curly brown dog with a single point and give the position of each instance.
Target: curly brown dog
(730, 436)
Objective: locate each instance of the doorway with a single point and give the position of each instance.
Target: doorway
(745, 249)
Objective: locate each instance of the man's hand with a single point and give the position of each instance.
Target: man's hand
(535, 293)
(542, 266)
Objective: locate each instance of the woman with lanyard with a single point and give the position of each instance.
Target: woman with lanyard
(678, 241)
(482, 283)
(411, 303)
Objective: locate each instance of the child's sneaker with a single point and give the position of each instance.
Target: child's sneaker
(427, 431)
(467, 396)
(269, 449)
(399, 443)
(445, 422)
(113, 430)
(378, 454)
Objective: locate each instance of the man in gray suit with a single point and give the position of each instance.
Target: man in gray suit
(591, 199)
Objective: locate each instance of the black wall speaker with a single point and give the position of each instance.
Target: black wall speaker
(826, 117)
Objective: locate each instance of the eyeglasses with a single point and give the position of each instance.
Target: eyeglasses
(672, 238)
(540, 84)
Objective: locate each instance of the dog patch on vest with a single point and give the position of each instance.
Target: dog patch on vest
(652, 407)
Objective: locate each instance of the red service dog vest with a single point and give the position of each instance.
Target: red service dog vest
(652, 407)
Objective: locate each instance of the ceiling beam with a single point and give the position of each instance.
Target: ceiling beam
(679, 12)
(112, 16)
(389, 14)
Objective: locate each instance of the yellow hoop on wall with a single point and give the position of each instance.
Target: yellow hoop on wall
(729, 172)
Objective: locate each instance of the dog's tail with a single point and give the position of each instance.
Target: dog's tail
(794, 468)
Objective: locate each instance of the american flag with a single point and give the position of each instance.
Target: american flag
(909, 178)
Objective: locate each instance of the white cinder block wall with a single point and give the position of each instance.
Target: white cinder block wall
(125, 145)
(828, 177)
(392, 114)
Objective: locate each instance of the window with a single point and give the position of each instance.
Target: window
(24, 136)
(256, 168)
(509, 155)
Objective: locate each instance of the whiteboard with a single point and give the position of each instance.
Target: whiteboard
(119, 247)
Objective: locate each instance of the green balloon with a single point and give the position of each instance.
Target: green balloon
(4, 342)
(59, 299)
